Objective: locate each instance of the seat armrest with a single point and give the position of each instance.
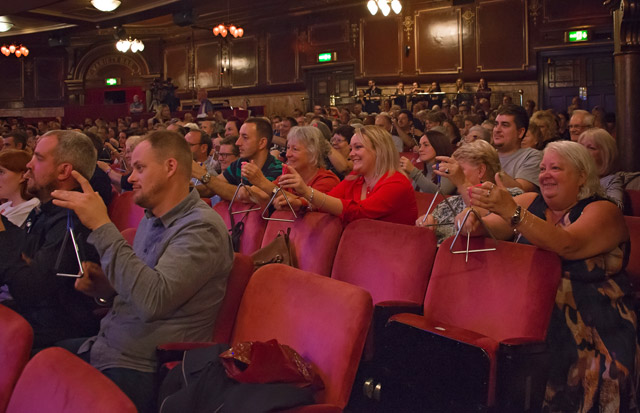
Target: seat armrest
(168, 352)
(522, 345)
(385, 309)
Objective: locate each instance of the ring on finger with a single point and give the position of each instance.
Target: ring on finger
(488, 193)
(446, 171)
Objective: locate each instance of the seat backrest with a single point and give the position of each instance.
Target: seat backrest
(16, 338)
(633, 266)
(324, 320)
(632, 202)
(391, 261)
(424, 199)
(57, 381)
(124, 212)
(507, 293)
(254, 225)
(314, 238)
(236, 284)
(129, 234)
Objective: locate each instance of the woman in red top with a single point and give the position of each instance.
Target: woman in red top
(375, 189)
(306, 151)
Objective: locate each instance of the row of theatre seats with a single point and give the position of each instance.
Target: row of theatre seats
(376, 307)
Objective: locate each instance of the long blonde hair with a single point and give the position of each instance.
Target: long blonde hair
(379, 141)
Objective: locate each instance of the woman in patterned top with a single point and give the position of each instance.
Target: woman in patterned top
(470, 165)
(592, 333)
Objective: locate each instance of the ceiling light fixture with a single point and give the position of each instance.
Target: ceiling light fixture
(15, 50)
(124, 45)
(105, 5)
(223, 29)
(5, 24)
(385, 6)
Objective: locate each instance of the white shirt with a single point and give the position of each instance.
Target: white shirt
(19, 213)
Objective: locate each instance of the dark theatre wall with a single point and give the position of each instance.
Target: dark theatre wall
(500, 40)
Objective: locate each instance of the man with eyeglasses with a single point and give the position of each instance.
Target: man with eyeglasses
(228, 153)
(200, 145)
(580, 121)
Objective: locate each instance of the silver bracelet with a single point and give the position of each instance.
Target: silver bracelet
(311, 196)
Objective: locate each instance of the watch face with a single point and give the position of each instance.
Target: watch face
(205, 178)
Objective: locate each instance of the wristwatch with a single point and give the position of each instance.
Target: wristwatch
(205, 178)
(517, 216)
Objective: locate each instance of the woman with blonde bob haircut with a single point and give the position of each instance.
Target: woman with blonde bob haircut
(592, 333)
(375, 188)
(604, 151)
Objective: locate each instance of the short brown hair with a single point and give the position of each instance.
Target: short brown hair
(169, 144)
(16, 161)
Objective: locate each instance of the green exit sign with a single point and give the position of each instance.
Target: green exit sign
(577, 36)
(112, 81)
(327, 57)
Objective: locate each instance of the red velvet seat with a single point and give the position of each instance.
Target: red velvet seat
(124, 212)
(391, 261)
(324, 320)
(254, 225)
(632, 202)
(314, 238)
(480, 342)
(424, 200)
(56, 381)
(633, 267)
(16, 339)
(129, 234)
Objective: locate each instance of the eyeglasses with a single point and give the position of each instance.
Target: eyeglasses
(224, 155)
(576, 126)
(337, 140)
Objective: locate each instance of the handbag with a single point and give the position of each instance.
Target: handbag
(278, 251)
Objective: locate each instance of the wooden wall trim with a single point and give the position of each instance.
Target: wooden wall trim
(296, 58)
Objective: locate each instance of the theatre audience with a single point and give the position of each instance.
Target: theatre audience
(477, 132)
(604, 151)
(520, 164)
(253, 144)
(31, 258)
(470, 165)
(375, 189)
(306, 151)
(13, 186)
(119, 178)
(158, 295)
(533, 138)
(339, 161)
(592, 333)
(548, 125)
(432, 144)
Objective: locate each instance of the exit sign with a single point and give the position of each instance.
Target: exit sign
(112, 81)
(577, 36)
(327, 57)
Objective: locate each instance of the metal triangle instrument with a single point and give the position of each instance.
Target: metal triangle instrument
(467, 251)
(277, 190)
(235, 194)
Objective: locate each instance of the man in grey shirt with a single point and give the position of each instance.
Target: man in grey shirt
(169, 286)
(520, 166)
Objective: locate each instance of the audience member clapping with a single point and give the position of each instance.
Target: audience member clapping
(593, 326)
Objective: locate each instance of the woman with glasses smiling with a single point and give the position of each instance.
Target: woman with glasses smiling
(339, 153)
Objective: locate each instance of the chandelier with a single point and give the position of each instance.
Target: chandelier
(15, 50)
(134, 45)
(385, 6)
(223, 30)
(105, 5)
